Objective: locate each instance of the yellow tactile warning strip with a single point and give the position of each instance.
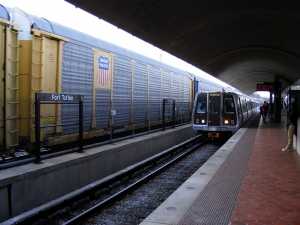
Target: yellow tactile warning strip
(217, 201)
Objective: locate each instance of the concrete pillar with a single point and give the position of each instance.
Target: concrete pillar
(277, 106)
(277, 100)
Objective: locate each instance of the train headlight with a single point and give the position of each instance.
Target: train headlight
(197, 120)
(202, 121)
(226, 121)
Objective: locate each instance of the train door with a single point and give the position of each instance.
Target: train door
(9, 58)
(214, 116)
(247, 108)
(45, 77)
(240, 110)
(229, 110)
(200, 114)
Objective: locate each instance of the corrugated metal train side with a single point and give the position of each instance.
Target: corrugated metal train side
(45, 57)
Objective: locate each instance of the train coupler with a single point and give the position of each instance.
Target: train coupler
(213, 135)
(216, 135)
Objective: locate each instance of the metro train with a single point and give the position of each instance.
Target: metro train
(122, 90)
(218, 115)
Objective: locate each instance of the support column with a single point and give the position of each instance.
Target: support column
(277, 100)
(271, 99)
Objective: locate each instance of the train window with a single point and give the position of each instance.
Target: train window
(229, 105)
(215, 106)
(244, 105)
(239, 109)
(239, 106)
(201, 105)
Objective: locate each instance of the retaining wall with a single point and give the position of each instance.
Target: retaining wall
(28, 186)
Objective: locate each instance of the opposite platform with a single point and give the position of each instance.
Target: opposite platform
(249, 180)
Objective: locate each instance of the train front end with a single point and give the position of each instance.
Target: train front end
(215, 115)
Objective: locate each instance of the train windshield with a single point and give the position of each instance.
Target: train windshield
(229, 105)
(201, 106)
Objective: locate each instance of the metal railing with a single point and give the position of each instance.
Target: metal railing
(45, 98)
(59, 122)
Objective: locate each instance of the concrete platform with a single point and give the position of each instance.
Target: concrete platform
(25, 187)
(180, 202)
(248, 181)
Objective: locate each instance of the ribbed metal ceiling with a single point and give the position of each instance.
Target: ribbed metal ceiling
(239, 42)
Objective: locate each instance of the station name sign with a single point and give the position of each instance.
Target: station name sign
(265, 87)
(59, 97)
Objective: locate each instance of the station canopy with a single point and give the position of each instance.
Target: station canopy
(243, 43)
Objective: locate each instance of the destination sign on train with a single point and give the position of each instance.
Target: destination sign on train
(265, 87)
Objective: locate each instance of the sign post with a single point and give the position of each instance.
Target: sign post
(164, 111)
(46, 98)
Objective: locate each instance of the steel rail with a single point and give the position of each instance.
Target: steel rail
(81, 218)
(39, 212)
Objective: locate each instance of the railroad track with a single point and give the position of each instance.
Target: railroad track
(102, 205)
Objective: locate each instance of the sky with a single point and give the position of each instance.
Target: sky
(66, 14)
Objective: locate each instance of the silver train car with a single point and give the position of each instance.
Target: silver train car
(218, 115)
(41, 56)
